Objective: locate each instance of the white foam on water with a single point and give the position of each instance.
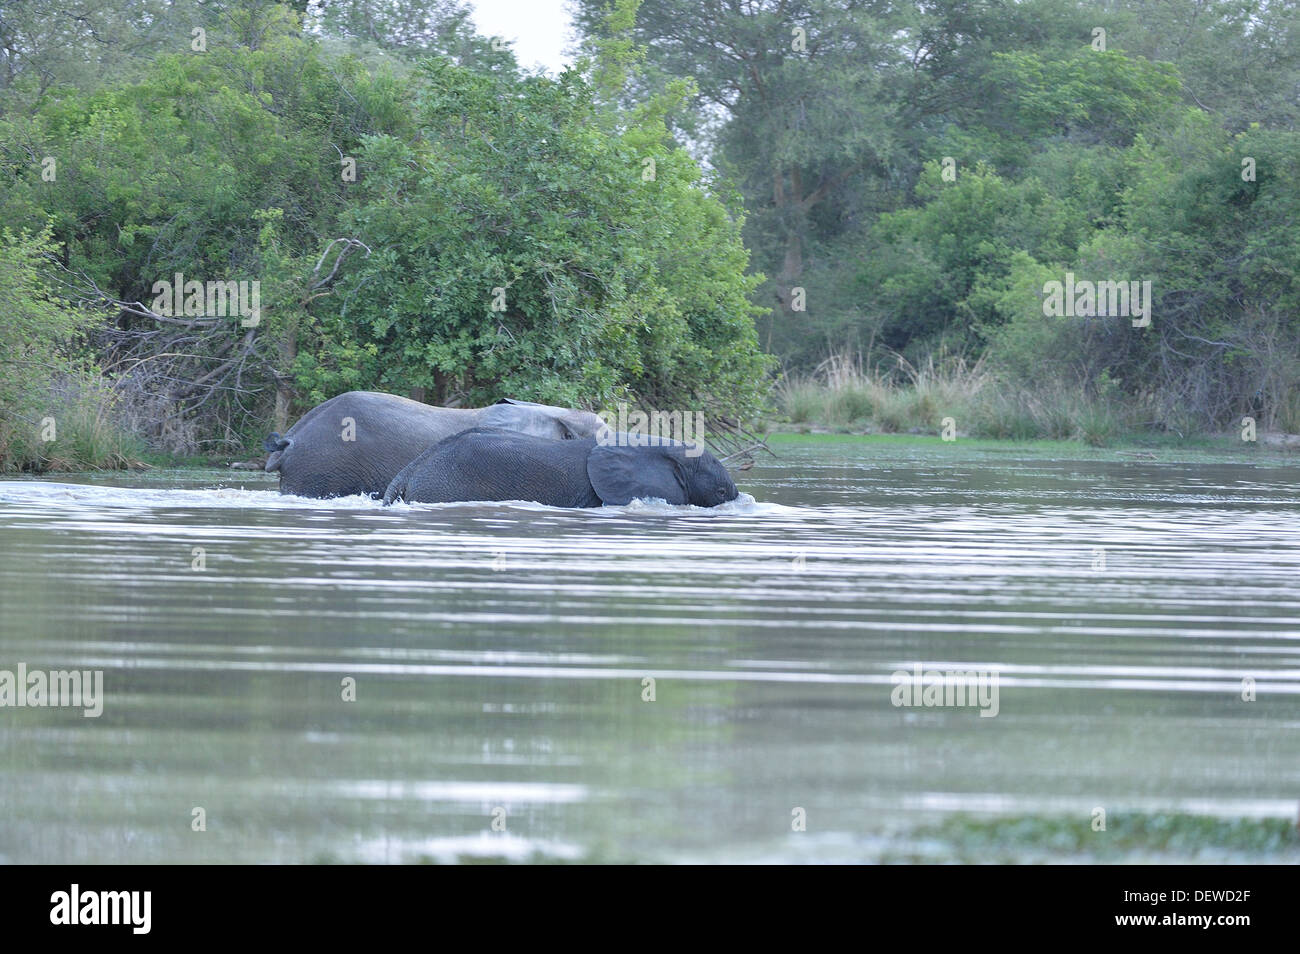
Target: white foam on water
(81, 496)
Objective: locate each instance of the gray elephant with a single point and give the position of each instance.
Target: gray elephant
(492, 464)
(356, 443)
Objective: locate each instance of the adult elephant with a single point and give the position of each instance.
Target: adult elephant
(356, 442)
(492, 464)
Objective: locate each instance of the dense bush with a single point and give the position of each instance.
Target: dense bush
(378, 200)
(907, 178)
(520, 247)
(55, 411)
(919, 171)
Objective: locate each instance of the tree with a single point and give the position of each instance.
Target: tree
(796, 102)
(412, 28)
(38, 346)
(520, 249)
(223, 166)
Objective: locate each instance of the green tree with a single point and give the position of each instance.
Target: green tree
(175, 172)
(518, 248)
(796, 102)
(412, 28)
(40, 345)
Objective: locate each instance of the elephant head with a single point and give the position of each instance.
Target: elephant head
(629, 466)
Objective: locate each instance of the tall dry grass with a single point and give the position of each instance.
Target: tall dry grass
(73, 424)
(892, 395)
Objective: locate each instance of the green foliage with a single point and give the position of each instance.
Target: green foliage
(1113, 157)
(796, 103)
(826, 126)
(412, 28)
(229, 163)
(1091, 97)
(609, 279)
(1130, 186)
(52, 409)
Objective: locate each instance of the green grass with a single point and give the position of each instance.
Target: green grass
(166, 461)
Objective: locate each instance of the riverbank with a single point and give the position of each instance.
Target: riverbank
(945, 401)
(783, 436)
(950, 396)
(1217, 449)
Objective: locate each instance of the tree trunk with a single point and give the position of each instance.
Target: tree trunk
(284, 393)
(793, 214)
(283, 400)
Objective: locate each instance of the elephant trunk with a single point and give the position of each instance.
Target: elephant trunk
(396, 491)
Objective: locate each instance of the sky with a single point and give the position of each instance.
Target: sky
(537, 30)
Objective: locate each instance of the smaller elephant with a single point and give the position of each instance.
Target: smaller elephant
(494, 464)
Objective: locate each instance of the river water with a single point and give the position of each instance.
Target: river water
(292, 680)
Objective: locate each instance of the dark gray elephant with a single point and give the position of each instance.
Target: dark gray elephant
(492, 464)
(355, 443)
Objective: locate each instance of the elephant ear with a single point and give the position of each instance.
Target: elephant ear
(620, 474)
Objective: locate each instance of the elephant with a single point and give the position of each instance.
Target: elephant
(493, 464)
(356, 443)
